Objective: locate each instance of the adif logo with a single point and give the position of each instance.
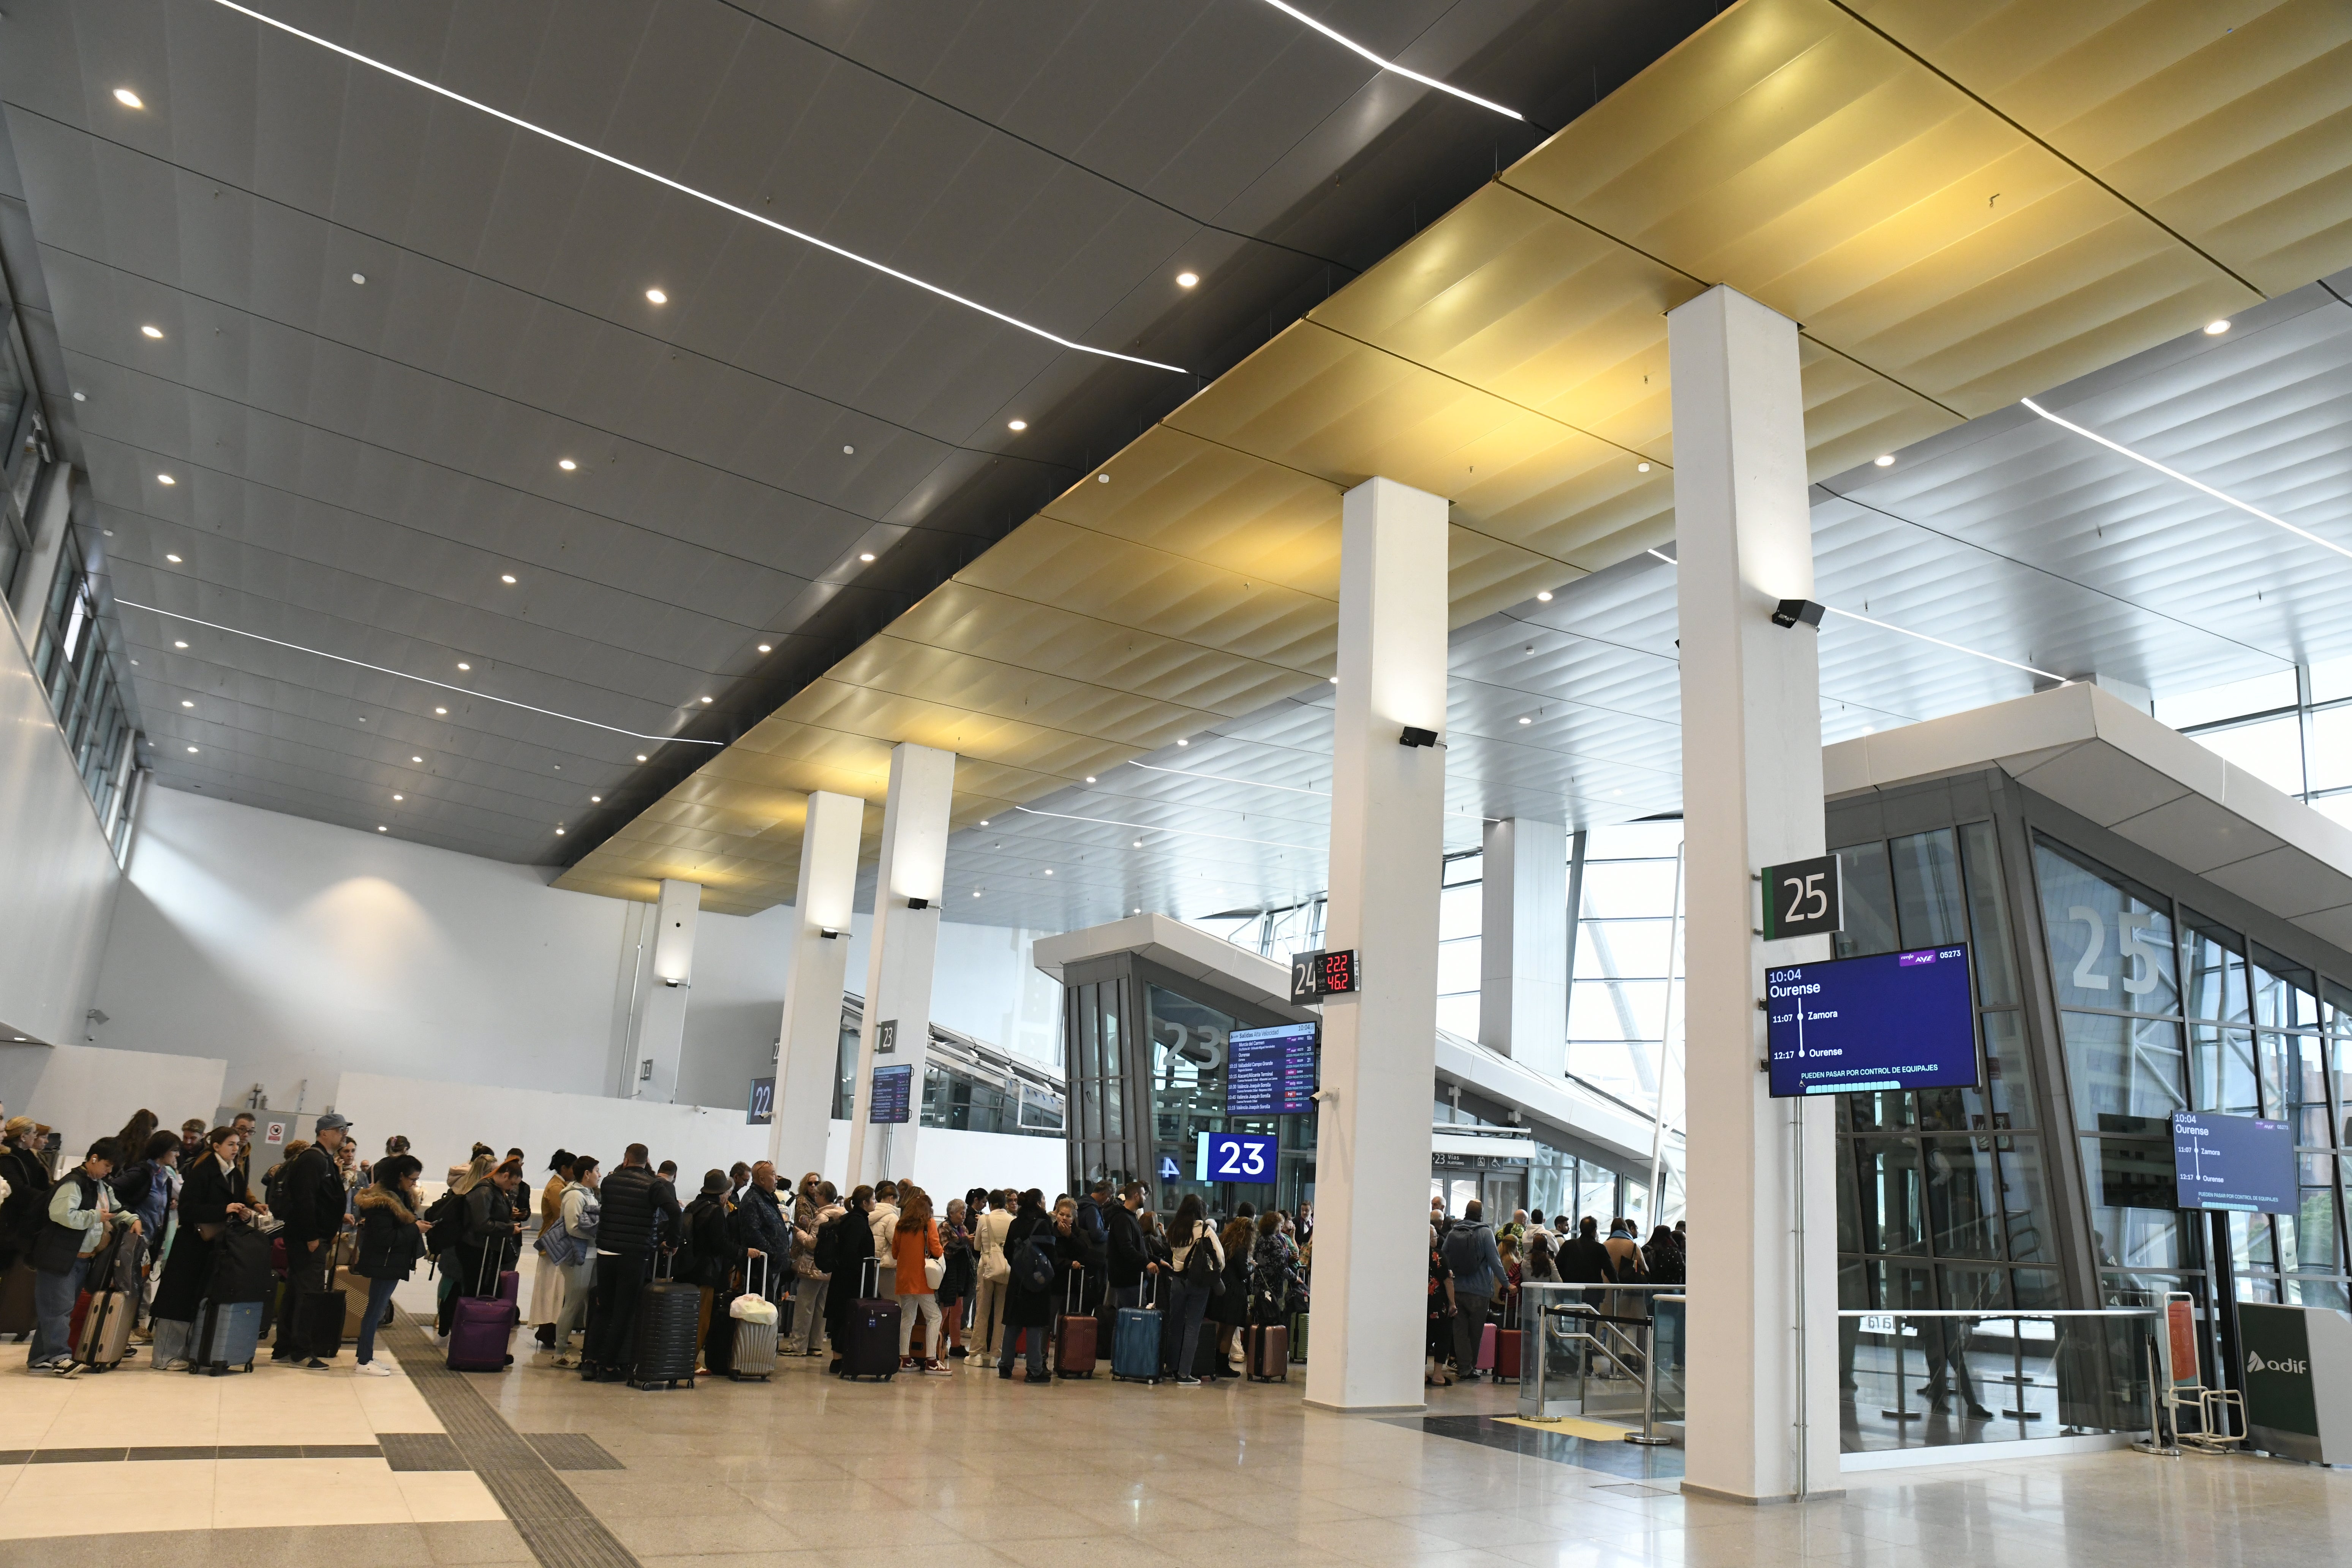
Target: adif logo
(2254, 1362)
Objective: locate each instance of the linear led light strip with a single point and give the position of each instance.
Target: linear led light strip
(804, 238)
(2222, 496)
(1346, 42)
(421, 681)
(1923, 637)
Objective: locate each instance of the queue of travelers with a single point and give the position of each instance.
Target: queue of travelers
(1476, 1272)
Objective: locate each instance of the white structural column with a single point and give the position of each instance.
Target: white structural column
(899, 953)
(808, 1051)
(1523, 943)
(1763, 1279)
(1379, 1045)
(661, 1035)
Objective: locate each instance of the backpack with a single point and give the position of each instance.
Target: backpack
(1462, 1251)
(443, 1215)
(1200, 1269)
(828, 1243)
(1032, 1265)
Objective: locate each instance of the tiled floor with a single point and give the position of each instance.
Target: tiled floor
(967, 1471)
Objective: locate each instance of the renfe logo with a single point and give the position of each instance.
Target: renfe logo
(2254, 1362)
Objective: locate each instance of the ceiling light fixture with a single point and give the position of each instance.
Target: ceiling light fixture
(706, 699)
(865, 555)
(641, 756)
(975, 892)
(1049, 870)
(658, 296)
(1335, 681)
(421, 681)
(1640, 468)
(1016, 424)
(172, 558)
(186, 704)
(596, 799)
(417, 758)
(1524, 719)
(1182, 742)
(380, 828)
(127, 99)
(1137, 845)
(359, 278)
(463, 665)
(764, 648)
(441, 711)
(1883, 460)
(558, 833)
(1348, 43)
(566, 464)
(400, 797)
(192, 751)
(508, 578)
(2221, 496)
(1187, 280)
(687, 190)
(1090, 778)
(165, 479)
(2215, 329)
(153, 332)
(848, 451)
(1544, 597)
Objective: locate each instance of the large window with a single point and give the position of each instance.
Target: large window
(2291, 729)
(72, 662)
(1942, 1201)
(2164, 1009)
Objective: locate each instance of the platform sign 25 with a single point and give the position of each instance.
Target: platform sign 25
(1803, 898)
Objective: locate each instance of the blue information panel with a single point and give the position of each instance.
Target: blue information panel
(2239, 1163)
(1895, 1020)
(1236, 1157)
(893, 1094)
(1270, 1072)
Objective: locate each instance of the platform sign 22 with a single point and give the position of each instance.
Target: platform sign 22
(1803, 898)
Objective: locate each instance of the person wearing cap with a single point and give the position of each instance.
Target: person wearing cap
(312, 1204)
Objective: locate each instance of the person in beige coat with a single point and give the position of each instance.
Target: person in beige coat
(988, 1234)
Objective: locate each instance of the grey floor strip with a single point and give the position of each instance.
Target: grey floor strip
(553, 1522)
(196, 1451)
(572, 1451)
(421, 1451)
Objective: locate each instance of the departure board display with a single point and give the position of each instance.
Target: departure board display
(894, 1092)
(1270, 1072)
(1893, 1020)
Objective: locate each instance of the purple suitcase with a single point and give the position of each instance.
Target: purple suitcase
(482, 1327)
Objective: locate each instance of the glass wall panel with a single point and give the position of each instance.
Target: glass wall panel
(1869, 902)
(1964, 1198)
(1989, 915)
(1890, 1208)
(2285, 995)
(2221, 1070)
(2134, 1222)
(2128, 1074)
(2009, 1075)
(1930, 907)
(2216, 970)
(2025, 1206)
(2110, 941)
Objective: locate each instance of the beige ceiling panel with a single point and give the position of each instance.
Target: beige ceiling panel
(1853, 414)
(1047, 562)
(1010, 691)
(1508, 295)
(1484, 575)
(1217, 505)
(862, 711)
(1012, 629)
(2232, 127)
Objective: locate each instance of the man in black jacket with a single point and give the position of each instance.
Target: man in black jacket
(311, 1201)
(637, 1202)
(1127, 1261)
(759, 1225)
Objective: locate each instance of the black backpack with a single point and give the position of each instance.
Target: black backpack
(1032, 1265)
(1201, 1268)
(445, 1215)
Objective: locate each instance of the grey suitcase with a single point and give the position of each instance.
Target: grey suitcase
(105, 1336)
(755, 1343)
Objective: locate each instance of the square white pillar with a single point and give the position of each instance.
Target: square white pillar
(661, 1037)
(899, 954)
(809, 1049)
(1379, 1045)
(1523, 943)
(1751, 798)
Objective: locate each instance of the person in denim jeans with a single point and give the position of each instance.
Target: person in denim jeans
(1189, 1232)
(82, 1215)
(391, 1239)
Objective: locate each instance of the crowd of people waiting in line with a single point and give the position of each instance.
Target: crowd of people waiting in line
(601, 1235)
(1476, 1270)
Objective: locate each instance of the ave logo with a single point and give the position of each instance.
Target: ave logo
(2254, 1362)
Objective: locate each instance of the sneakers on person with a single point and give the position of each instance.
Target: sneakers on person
(959, 1353)
(313, 1364)
(565, 1361)
(374, 1369)
(906, 1364)
(1188, 1383)
(179, 1364)
(936, 1364)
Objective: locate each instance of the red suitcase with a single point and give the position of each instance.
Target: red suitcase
(1074, 1333)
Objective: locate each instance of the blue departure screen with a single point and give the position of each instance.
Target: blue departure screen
(1270, 1072)
(1895, 1020)
(893, 1094)
(2239, 1163)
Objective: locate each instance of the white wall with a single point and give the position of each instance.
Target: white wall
(298, 951)
(57, 876)
(86, 1093)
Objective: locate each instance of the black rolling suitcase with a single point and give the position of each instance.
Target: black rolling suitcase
(665, 1343)
(869, 1347)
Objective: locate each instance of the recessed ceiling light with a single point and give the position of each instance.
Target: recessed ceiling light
(462, 665)
(359, 278)
(706, 699)
(1883, 460)
(566, 464)
(172, 558)
(508, 578)
(400, 797)
(1186, 279)
(363, 717)
(192, 751)
(849, 451)
(1335, 681)
(81, 397)
(1049, 870)
(153, 332)
(596, 797)
(186, 704)
(380, 828)
(442, 711)
(1524, 719)
(641, 756)
(2215, 329)
(417, 758)
(1102, 479)
(1090, 778)
(1137, 910)
(984, 822)
(165, 479)
(558, 833)
(658, 296)
(1544, 597)
(765, 648)
(1137, 845)
(179, 645)
(1640, 468)
(559, 767)
(1182, 742)
(127, 99)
